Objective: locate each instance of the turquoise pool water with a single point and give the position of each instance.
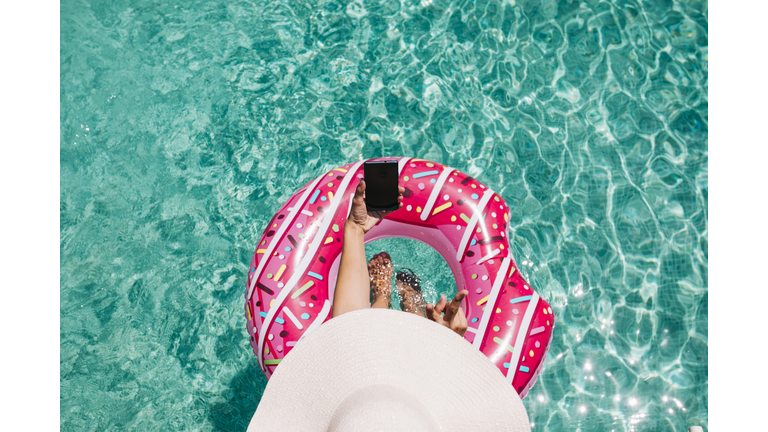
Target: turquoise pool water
(185, 125)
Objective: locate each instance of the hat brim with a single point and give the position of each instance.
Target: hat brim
(459, 387)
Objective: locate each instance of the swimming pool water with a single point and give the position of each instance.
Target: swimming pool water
(185, 125)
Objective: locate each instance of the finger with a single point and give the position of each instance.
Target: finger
(432, 315)
(462, 319)
(440, 307)
(455, 305)
(460, 325)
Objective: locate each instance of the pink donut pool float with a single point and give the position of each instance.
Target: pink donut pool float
(293, 273)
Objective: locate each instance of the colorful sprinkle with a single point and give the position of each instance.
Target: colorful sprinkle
(474, 186)
(506, 365)
(432, 180)
(497, 199)
(473, 242)
(515, 311)
(531, 353)
(272, 362)
(475, 196)
(429, 164)
(446, 197)
(330, 195)
(453, 218)
(406, 178)
(305, 316)
(474, 319)
(260, 250)
(520, 299)
(425, 173)
(315, 275)
(302, 289)
(269, 275)
(545, 311)
(485, 277)
(550, 310)
(302, 304)
(537, 344)
(421, 186)
(498, 310)
(537, 330)
(441, 208)
(340, 169)
(279, 320)
(335, 228)
(280, 285)
(504, 344)
(474, 276)
(483, 300)
(509, 323)
(409, 208)
(328, 240)
(279, 272)
(495, 226)
(287, 248)
(479, 290)
(307, 213)
(495, 328)
(314, 196)
(524, 369)
(418, 209)
(264, 288)
(323, 198)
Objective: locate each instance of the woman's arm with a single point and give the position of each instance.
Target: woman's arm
(353, 284)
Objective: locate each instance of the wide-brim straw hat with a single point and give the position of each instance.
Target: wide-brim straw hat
(386, 370)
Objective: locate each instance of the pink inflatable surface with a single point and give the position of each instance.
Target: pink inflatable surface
(293, 272)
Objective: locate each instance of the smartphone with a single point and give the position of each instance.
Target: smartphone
(381, 185)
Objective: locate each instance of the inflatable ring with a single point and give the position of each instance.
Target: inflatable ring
(293, 273)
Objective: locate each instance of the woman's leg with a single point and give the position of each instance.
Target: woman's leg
(380, 271)
(409, 289)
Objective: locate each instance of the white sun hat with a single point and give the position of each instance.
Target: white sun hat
(386, 370)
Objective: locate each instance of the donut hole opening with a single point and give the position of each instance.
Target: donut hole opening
(426, 263)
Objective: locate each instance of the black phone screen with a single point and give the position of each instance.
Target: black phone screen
(381, 182)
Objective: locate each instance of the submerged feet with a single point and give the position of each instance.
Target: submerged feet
(409, 289)
(380, 271)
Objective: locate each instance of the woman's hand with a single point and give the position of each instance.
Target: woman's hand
(454, 317)
(361, 217)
